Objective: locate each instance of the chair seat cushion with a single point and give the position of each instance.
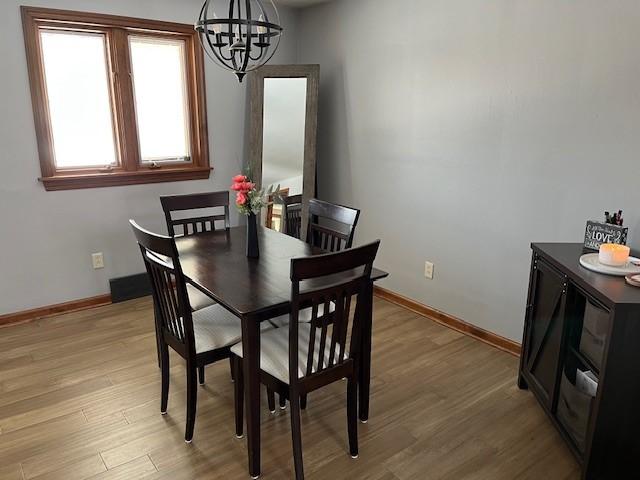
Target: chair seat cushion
(274, 351)
(197, 299)
(215, 327)
(303, 317)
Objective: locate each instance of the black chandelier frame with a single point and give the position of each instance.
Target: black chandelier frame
(231, 47)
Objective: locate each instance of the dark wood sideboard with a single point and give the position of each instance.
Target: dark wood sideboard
(579, 321)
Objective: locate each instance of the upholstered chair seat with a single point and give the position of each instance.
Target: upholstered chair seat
(197, 299)
(274, 351)
(215, 327)
(304, 316)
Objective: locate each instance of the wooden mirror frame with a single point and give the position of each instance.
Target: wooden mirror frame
(256, 91)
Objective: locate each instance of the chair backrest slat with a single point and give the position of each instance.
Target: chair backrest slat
(343, 328)
(173, 303)
(326, 280)
(292, 215)
(159, 299)
(337, 327)
(331, 227)
(312, 339)
(167, 285)
(195, 201)
(323, 336)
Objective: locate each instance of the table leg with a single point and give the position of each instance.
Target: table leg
(251, 368)
(364, 380)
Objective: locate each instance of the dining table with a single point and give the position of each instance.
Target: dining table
(256, 290)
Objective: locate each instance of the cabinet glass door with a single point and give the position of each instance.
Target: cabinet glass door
(545, 326)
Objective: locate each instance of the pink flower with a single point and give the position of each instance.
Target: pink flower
(243, 187)
(241, 199)
(239, 179)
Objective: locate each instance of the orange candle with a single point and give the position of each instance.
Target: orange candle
(614, 255)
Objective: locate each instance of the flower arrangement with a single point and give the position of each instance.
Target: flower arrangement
(249, 199)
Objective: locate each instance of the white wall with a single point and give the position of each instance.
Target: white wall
(47, 237)
(467, 129)
(294, 184)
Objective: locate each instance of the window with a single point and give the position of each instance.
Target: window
(116, 101)
(79, 101)
(158, 81)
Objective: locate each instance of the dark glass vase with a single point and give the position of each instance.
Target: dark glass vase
(253, 249)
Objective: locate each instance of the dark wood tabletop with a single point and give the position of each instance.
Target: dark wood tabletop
(216, 263)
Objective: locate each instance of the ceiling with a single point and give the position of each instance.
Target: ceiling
(299, 3)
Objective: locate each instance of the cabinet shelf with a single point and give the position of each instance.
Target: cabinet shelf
(585, 361)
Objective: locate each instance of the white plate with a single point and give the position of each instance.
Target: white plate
(590, 262)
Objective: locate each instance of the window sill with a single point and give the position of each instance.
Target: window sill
(97, 180)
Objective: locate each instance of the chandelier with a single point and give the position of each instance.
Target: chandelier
(244, 37)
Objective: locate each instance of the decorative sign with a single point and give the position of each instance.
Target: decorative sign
(598, 233)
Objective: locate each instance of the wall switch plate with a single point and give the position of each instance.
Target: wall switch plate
(428, 270)
(98, 260)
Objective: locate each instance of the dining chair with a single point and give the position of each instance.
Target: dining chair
(201, 337)
(292, 215)
(190, 225)
(304, 358)
(331, 227)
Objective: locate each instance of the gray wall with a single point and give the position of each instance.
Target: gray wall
(473, 128)
(47, 237)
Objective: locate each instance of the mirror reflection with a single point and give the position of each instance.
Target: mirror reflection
(285, 104)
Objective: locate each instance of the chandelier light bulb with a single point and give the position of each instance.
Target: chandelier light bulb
(261, 30)
(216, 27)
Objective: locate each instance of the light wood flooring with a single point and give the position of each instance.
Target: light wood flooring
(79, 398)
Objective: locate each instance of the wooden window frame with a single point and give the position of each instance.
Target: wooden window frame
(130, 170)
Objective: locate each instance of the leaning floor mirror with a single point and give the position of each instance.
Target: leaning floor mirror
(284, 119)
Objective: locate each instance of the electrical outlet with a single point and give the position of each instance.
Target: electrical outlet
(97, 260)
(428, 270)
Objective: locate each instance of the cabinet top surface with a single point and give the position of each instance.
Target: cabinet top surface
(566, 256)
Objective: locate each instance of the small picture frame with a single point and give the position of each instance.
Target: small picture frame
(597, 233)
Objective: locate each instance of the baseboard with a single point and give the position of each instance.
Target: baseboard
(51, 310)
(450, 321)
(442, 318)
